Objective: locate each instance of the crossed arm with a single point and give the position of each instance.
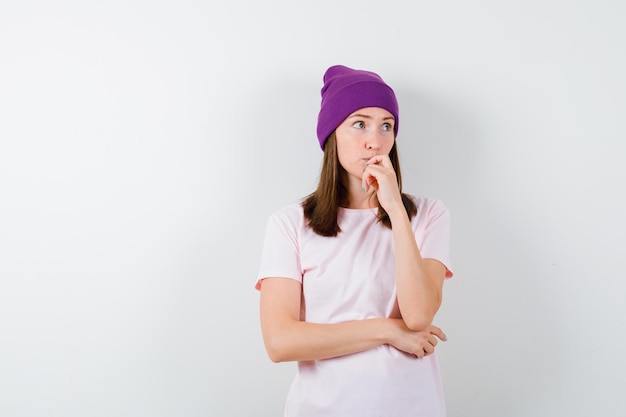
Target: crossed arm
(287, 338)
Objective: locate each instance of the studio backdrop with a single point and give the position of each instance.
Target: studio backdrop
(144, 144)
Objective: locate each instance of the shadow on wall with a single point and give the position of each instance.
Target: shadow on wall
(281, 160)
(282, 137)
(502, 353)
(436, 144)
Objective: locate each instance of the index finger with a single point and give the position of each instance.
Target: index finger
(379, 159)
(439, 333)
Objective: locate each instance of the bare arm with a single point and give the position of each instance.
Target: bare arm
(419, 281)
(287, 338)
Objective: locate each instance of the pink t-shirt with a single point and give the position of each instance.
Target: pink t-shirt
(352, 277)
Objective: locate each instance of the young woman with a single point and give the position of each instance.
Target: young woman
(351, 277)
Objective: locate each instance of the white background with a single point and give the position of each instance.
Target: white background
(143, 144)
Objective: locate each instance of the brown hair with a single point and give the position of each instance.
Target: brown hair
(322, 206)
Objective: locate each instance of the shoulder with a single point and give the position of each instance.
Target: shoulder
(291, 214)
(293, 209)
(428, 204)
(429, 209)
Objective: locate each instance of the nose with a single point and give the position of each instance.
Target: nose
(373, 141)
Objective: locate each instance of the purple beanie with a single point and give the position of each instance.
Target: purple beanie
(346, 90)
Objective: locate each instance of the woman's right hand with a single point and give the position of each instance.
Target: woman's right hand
(419, 343)
(288, 338)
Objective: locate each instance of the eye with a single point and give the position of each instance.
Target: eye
(358, 125)
(387, 126)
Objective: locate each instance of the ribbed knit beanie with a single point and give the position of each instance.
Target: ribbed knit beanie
(346, 90)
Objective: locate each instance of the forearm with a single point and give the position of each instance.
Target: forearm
(419, 294)
(294, 340)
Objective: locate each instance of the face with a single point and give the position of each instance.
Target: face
(365, 133)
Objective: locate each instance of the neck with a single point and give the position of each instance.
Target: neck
(359, 199)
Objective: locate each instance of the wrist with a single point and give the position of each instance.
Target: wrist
(397, 214)
(388, 336)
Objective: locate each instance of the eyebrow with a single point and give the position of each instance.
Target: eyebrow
(365, 116)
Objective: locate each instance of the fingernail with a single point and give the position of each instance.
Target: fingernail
(363, 186)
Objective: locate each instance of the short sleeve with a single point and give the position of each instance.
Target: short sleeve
(435, 240)
(281, 255)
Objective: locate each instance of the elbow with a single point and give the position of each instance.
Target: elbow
(275, 356)
(279, 341)
(419, 322)
(419, 319)
(276, 351)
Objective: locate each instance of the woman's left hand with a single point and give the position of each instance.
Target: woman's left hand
(380, 175)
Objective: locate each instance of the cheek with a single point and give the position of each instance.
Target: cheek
(343, 153)
(344, 160)
(388, 146)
